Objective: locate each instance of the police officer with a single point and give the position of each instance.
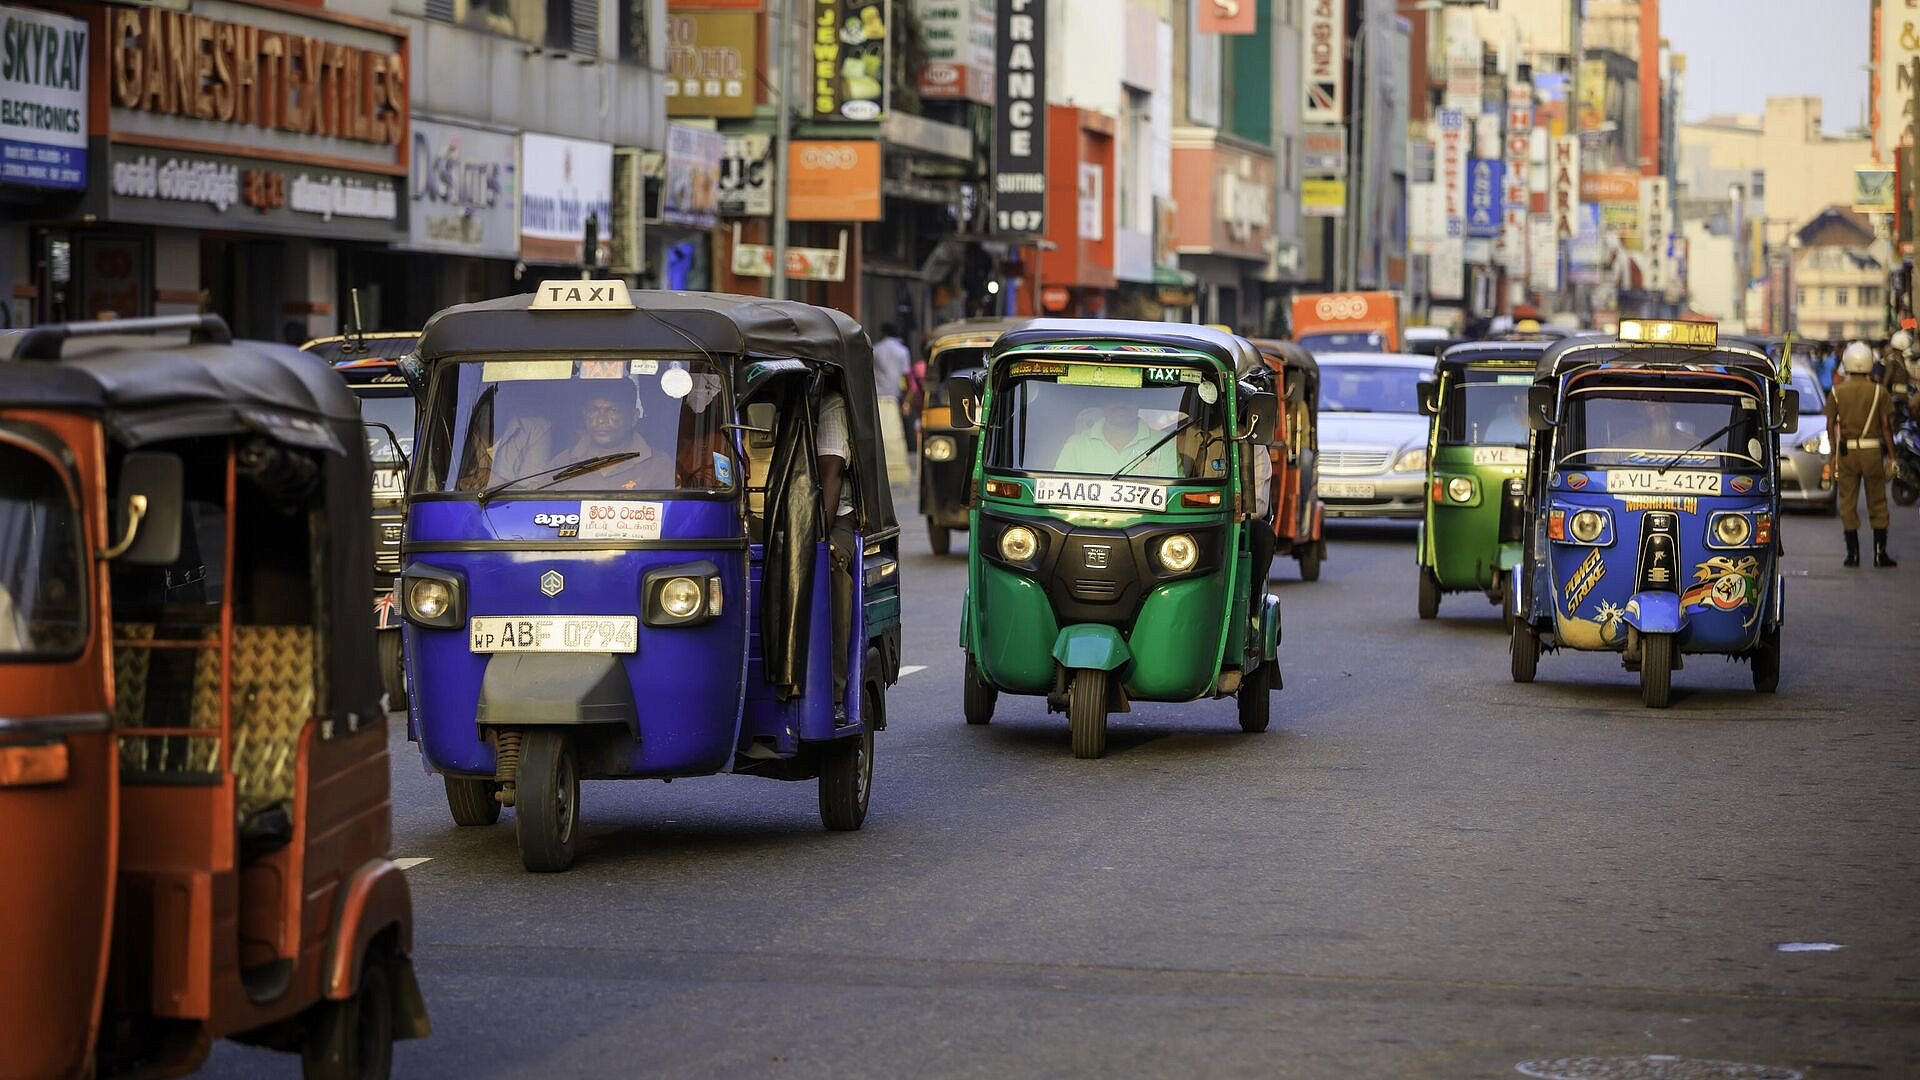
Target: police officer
(1858, 416)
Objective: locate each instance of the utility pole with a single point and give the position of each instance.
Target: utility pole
(780, 39)
(1911, 174)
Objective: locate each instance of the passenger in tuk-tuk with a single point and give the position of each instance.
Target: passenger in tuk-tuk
(1120, 440)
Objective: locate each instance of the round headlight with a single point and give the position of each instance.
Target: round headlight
(1733, 530)
(1414, 460)
(1460, 489)
(940, 448)
(1017, 543)
(1817, 444)
(429, 599)
(1178, 553)
(680, 597)
(1587, 525)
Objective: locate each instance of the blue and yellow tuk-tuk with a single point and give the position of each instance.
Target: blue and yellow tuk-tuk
(616, 560)
(946, 448)
(1653, 500)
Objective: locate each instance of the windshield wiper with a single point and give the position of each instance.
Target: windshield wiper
(560, 473)
(1675, 459)
(1148, 452)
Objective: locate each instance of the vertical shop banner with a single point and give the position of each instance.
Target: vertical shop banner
(1588, 248)
(562, 183)
(1426, 218)
(1092, 202)
(958, 35)
(463, 192)
(1450, 168)
(850, 53)
(746, 176)
(1484, 182)
(1324, 66)
(710, 63)
(1563, 184)
(1898, 44)
(1226, 16)
(692, 193)
(1543, 254)
(43, 99)
(1020, 122)
(1653, 231)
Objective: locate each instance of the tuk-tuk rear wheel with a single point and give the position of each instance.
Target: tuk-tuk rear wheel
(1656, 670)
(1429, 594)
(471, 801)
(353, 1039)
(846, 779)
(1087, 713)
(1309, 556)
(1766, 663)
(977, 699)
(1255, 698)
(939, 538)
(548, 802)
(1526, 652)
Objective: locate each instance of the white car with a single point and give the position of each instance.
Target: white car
(1373, 440)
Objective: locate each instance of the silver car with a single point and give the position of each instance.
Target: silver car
(1373, 440)
(1804, 483)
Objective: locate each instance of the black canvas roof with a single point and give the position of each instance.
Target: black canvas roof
(1232, 350)
(1490, 352)
(1291, 354)
(972, 328)
(1574, 352)
(347, 348)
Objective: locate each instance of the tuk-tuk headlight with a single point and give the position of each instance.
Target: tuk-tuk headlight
(1414, 460)
(684, 594)
(428, 600)
(940, 448)
(1587, 525)
(1731, 530)
(1460, 489)
(1018, 543)
(680, 597)
(1179, 553)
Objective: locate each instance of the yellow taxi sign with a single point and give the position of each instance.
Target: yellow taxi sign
(608, 295)
(1669, 332)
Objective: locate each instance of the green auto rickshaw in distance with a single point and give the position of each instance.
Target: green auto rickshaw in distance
(1114, 520)
(946, 452)
(1470, 536)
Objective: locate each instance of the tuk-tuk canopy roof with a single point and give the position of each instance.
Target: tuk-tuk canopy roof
(359, 348)
(947, 335)
(1231, 350)
(1572, 353)
(1288, 354)
(1489, 352)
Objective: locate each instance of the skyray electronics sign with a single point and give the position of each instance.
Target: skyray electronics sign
(43, 99)
(1020, 123)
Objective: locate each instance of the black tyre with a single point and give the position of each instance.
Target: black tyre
(846, 781)
(353, 1039)
(547, 801)
(472, 801)
(940, 539)
(1526, 652)
(1309, 557)
(1656, 670)
(1904, 493)
(977, 699)
(1429, 594)
(1087, 713)
(1255, 698)
(1766, 663)
(393, 669)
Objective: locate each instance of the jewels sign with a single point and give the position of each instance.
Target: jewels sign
(1020, 124)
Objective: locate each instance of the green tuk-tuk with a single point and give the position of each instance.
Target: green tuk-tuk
(1113, 512)
(1476, 466)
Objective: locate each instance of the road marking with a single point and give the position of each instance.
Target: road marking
(911, 668)
(412, 861)
(1808, 946)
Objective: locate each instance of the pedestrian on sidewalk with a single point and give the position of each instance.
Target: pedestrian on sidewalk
(890, 362)
(1858, 416)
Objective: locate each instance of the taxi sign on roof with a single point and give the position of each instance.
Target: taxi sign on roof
(1669, 332)
(608, 295)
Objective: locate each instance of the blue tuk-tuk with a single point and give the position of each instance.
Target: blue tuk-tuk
(1653, 498)
(616, 562)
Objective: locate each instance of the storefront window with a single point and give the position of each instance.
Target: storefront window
(569, 25)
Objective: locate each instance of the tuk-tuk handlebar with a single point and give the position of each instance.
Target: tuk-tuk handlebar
(44, 342)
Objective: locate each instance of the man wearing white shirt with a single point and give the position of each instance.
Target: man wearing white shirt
(890, 364)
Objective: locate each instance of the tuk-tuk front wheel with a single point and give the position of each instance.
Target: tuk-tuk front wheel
(471, 801)
(1656, 670)
(1429, 594)
(393, 669)
(353, 1039)
(1526, 652)
(977, 699)
(1766, 663)
(846, 780)
(547, 802)
(1309, 556)
(1255, 698)
(1087, 713)
(939, 538)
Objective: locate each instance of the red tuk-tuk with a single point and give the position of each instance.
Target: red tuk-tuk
(194, 814)
(1297, 513)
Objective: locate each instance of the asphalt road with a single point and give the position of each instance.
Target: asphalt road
(1423, 869)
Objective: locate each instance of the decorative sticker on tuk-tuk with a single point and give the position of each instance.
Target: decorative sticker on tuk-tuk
(1036, 367)
(1589, 573)
(1208, 392)
(1504, 455)
(603, 369)
(525, 370)
(1576, 481)
(1127, 378)
(676, 383)
(723, 470)
(643, 367)
(619, 520)
(1171, 376)
(1687, 482)
(1110, 494)
(1679, 504)
(1723, 582)
(1741, 484)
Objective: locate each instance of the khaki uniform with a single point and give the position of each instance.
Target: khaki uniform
(1856, 420)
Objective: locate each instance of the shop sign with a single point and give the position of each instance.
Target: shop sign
(1484, 182)
(223, 191)
(1324, 196)
(1592, 95)
(562, 182)
(1543, 255)
(1225, 16)
(833, 181)
(1323, 150)
(1653, 230)
(462, 191)
(1020, 123)
(1054, 298)
(804, 263)
(958, 37)
(850, 53)
(1450, 168)
(1166, 247)
(627, 245)
(1873, 189)
(746, 176)
(1563, 184)
(1246, 203)
(1092, 201)
(692, 194)
(710, 63)
(1587, 248)
(43, 99)
(1324, 71)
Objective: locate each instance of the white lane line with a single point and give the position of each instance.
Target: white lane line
(412, 861)
(911, 668)
(1808, 946)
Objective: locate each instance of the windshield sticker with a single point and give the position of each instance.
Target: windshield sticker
(621, 520)
(1150, 350)
(1125, 378)
(1171, 376)
(723, 470)
(1037, 367)
(1591, 570)
(603, 369)
(525, 370)
(1667, 459)
(1512, 380)
(643, 367)
(1501, 455)
(1654, 480)
(1679, 504)
(1723, 582)
(1741, 484)
(1208, 392)
(676, 383)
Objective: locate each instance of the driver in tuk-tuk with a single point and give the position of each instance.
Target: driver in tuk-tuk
(610, 424)
(1654, 425)
(1113, 441)
(1509, 425)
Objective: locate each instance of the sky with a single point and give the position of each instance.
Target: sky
(1740, 52)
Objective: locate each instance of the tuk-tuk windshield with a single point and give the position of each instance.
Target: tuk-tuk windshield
(1485, 408)
(952, 361)
(42, 580)
(630, 424)
(1692, 425)
(1107, 420)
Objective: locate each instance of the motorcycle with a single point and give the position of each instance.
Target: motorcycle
(1906, 463)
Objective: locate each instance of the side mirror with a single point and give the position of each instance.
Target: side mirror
(1789, 411)
(1540, 407)
(963, 396)
(152, 494)
(1429, 398)
(413, 372)
(1261, 412)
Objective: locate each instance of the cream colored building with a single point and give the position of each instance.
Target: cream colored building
(1839, 277)
(1789, 169)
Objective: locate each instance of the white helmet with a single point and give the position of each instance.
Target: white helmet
(1902, 341)
(1857, 360)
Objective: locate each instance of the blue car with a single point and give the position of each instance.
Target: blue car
(1653, 497)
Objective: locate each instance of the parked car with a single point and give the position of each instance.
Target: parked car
(1373, 439)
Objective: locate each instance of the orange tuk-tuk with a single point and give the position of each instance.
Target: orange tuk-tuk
(194, 815)
(1297, 514)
